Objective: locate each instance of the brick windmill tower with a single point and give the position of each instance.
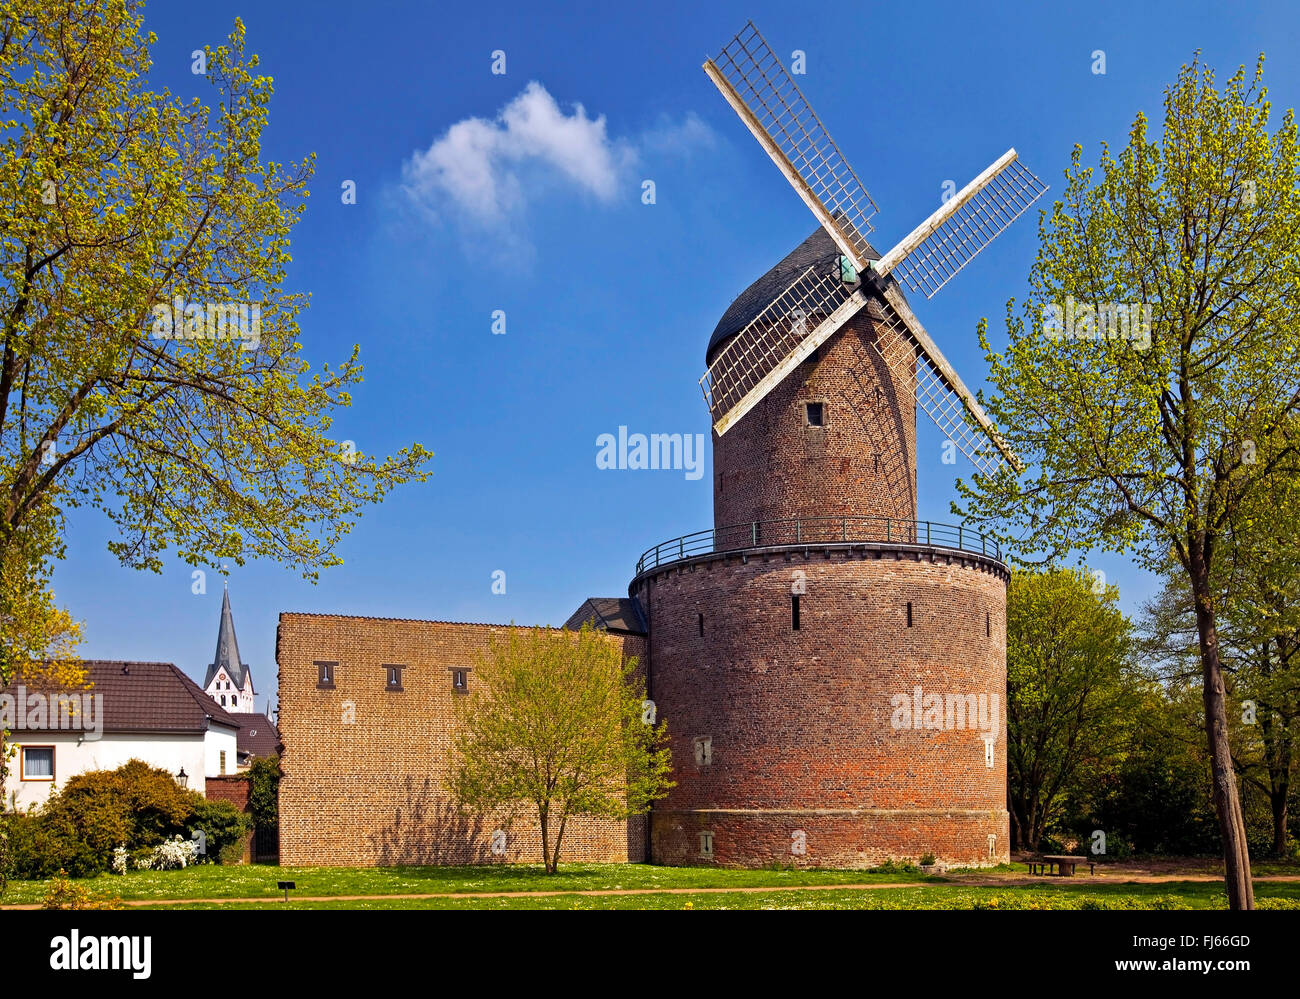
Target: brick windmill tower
(832, 670)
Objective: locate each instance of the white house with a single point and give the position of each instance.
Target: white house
(146, 711)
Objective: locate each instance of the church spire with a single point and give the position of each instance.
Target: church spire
(227, 656)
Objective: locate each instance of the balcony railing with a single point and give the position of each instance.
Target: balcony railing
(815, 531)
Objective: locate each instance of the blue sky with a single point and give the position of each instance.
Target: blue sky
(609, 302)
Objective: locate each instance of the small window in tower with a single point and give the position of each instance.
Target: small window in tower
(794, 612)
(909, 613)
(460, 681)
(393, 676)
(988, 624)
(701, 624)
(703, 750)
(706, 845)
(325, 675)
(815, 414)
(877, 463)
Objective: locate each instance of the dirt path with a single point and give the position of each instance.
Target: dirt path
(1083, 881)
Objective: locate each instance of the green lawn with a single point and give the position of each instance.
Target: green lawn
(1171, 895)
(256, 880)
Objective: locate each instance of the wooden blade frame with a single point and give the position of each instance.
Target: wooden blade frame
(906, 347)
(760, 90)
(932, 253)
(777, 341)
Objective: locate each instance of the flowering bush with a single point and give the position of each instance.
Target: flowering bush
(170, 855)
(118, 865)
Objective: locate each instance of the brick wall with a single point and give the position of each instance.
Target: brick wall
(770, 465)
(801, 723)
(364, 768)
(232, 788)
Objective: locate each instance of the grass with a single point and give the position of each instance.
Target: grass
(922, 892)
(1170, 895)
(258, 880)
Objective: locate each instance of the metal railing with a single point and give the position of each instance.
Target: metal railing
(816, 531)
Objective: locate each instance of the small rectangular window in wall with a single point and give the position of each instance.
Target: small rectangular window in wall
(988, 624)
(794, 612)
(393, 677)
(222, 757)
(37, 763)
(460, 681)
(325, 675)
(909, 613)
(706, 845)
(815, 414)
(703, 750)
(701, 624)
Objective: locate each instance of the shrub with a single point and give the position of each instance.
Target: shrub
(81, 826)
(41, 848)
(927, 860)
(64, 894)
(264, 791)
(225, 827)
(171, 855)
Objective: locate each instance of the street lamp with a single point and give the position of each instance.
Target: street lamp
(182, 778)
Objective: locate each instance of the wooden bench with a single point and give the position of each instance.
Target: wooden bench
(1058, 865)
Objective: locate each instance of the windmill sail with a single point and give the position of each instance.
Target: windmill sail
(932, 254)
(906, 347)
(775, 342)
(760, 90)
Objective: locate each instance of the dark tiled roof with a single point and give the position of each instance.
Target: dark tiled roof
(227, 654)
(818, 249)
(150, 697)
(257, 736)
(611, 614)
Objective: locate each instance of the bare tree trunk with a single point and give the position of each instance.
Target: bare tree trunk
(1227, 801)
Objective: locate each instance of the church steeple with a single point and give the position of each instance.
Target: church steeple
(229, 680)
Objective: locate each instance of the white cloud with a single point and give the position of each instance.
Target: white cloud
(483, 171)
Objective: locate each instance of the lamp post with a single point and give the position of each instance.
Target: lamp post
(182, 778)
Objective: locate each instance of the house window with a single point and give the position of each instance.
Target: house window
(222, 757)
(706, 845)
(460, 680)
(703, 750)
(223, 700)
(38, 763)
(394, 677)
(814, 414)
(325, 675)
(794, 612)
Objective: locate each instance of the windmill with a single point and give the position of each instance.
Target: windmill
(817, 303)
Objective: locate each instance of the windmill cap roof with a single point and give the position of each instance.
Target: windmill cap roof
(818, 250)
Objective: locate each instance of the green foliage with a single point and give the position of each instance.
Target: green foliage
(226, 828)
(892, 866)
(555, 724)
(64, 894)
(1155, 442)
(122, 199)
(264, 791)
(79, 826)
(1071, 694)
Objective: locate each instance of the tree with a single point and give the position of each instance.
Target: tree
(1069, 705)
(555, 725)
(149, 361)
(150, 366)
(1147, 437)
(264, 791)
